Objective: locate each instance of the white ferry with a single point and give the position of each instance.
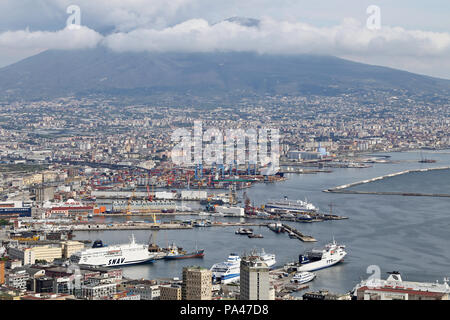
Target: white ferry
(228, 271)
(268, 258)
(330, 255)
(144, 205)
(114, 255)
(290, 206)
(303, 277)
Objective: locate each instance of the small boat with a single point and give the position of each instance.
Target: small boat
(202, 223)
(255, 235)
(175, 253)
(303, 277)
(244, 231)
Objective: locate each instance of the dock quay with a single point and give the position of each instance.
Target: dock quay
(282, 283)
(153, 226)
(297, 234)
(296, 169)
(150, 214)
(237, 224)
(130, 226)
(49, 242)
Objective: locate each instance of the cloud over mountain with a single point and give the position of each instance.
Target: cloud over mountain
(179, 26)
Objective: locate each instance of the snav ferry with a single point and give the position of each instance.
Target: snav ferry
(114, 255)
(330, 255)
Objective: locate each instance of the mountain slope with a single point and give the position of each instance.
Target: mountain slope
(58, 73)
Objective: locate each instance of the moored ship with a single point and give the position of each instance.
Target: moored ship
(114, 255)
(303, 277)
(290, 206)
(144, 206)
(330, 255)
(175, 253)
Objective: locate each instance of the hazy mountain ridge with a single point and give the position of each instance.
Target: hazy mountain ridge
(59, 73)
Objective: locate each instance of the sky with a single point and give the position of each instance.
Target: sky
(412, 35)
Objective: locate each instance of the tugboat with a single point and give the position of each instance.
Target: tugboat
(175, 253)
(255, 235)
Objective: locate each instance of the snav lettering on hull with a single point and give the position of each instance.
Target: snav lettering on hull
(115, 261)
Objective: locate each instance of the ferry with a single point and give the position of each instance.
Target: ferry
(144, 205)
(268, 258)
(114, 255)
(228, 271)
(290, 206)
(330, 255)
(303, 277)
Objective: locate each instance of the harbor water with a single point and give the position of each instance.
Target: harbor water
(401, 233)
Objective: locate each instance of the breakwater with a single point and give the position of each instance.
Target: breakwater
(345, 188)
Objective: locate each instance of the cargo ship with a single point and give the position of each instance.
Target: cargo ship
(176, 253)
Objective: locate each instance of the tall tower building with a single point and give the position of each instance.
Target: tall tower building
(197, 284)
(255, 280)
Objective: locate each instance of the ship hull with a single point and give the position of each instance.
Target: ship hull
(199, 254)
(319, 265)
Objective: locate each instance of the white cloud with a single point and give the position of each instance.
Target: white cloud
(40, 40)
(349, 37)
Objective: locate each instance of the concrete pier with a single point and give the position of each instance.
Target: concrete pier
(298, 234)
(344, 188)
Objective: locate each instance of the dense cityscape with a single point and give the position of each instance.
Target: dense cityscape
(312, 176)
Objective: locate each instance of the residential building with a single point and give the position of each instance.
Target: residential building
(254, 279)
(70, 247)
(197, 284)
(394, 288)
(170, 292)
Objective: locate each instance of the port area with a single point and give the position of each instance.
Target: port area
(130, 225)
(282, 284)
(345, 188)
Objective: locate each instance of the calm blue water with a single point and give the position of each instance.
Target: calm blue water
(408, 234)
